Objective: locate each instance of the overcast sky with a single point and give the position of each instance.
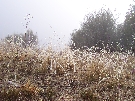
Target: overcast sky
(53, 20)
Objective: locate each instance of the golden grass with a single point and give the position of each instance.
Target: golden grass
(46, 74)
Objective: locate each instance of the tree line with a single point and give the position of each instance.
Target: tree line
(100, 29)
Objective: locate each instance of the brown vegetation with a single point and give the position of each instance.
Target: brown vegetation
(52, 76)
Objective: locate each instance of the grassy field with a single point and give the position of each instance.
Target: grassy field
(33, 74)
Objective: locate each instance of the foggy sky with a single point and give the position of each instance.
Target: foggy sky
(53, 20)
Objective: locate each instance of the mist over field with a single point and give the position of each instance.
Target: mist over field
(67, 50)
(53, 21)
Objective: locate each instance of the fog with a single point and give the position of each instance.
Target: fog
(53, 20)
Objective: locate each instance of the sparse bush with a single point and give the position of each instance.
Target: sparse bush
(50, 94)
(16, 94)
(89, 95)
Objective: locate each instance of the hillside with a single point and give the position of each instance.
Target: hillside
(33, 74)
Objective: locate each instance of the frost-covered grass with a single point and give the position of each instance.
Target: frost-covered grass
(44, 74)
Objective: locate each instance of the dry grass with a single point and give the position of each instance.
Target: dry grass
(47, 75)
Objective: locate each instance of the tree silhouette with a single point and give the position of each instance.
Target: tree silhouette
(97, 30)
(27, 39)
(128, 31)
